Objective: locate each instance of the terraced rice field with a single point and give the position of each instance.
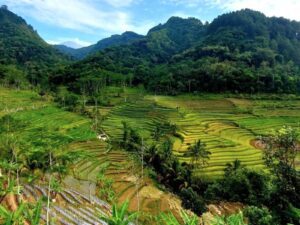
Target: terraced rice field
(14, 101)
(140, 114)
(124, 170)
(228, 126)
(128, 181)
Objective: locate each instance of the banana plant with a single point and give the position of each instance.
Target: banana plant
(33, 213)
(120, 215)
(235, 219)
(8, 217)
(170, 219)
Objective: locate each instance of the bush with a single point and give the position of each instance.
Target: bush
(258, 216)
(191, 200)
(241, 184)
(234, 219)
(71, 101)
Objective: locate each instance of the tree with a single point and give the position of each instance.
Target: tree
(105, 183)
(167, 150)
(280, 154)
(232, 168)
(191, 200)
(258, 216)
(120, 215)
(241, 184)
(281, 148)
(125, 138)
(13, 158)
(49, 156)
(131, 140)
(198, 153)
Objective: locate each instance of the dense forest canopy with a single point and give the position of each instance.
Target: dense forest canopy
(242, 51)
(115, 40)
(21, 48)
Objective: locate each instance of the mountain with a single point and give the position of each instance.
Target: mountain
(22, 47)
(115, 40)
(71, 44)
(141, 56)
(66, 50)
(242, 51)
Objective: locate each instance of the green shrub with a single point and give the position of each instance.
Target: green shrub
(258, 216)
(191, 200)
(240, 184)
(235, 219)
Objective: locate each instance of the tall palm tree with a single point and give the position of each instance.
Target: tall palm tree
(125, 138)
(198, 153)
(233, 167)
(120, 215)
(167, 149)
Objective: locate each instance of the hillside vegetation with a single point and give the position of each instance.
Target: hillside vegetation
(24, 55)
(189, 119)
(242, 51)
(126, 38)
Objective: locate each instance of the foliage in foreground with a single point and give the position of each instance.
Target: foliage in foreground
(170, 219)
(120, 215)
(258, 216)
(235, 219)
(25, 212)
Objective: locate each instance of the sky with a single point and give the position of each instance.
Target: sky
(85, 22)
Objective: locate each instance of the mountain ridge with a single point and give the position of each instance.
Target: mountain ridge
(22, 47)
(114, 40)
(241, 51)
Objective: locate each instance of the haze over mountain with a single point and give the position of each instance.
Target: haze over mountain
(71, 44)
(79, 53)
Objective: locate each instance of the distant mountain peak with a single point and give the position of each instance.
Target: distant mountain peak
(71, 44)
(114, 40)
(4, 7)
(176, 22)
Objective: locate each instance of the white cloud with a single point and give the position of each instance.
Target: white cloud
(82, 15)
(77, 41)
(287, 8)
(120, 3)
(187, 3)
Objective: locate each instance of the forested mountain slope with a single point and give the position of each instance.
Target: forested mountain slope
(22, 48)
(138, 58)
(242, 51)
(115, 40)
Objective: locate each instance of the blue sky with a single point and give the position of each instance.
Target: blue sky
(87, 21)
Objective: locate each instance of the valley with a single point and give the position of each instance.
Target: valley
(189, 123)
(228, 125)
